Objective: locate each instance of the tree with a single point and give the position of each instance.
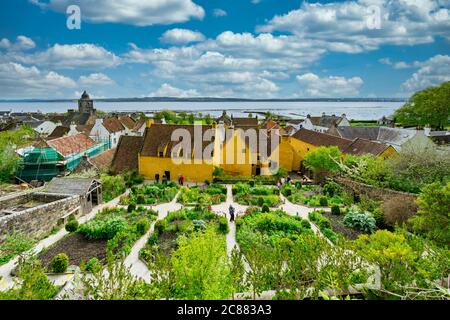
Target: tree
(427, 107)
(200, 267)
(433, 217)
(323, 161)
(237, 270)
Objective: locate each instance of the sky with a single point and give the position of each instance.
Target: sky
(223, 48)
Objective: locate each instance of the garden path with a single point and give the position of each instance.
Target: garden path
(7, 281)
(137, 267)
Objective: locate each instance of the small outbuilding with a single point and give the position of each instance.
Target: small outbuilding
(89, 190)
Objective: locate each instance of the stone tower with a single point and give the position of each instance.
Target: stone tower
(86, 104)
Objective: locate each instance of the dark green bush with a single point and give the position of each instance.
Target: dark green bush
(323, 201)
(131, 207)
(335, 210)
(142, 226)
(324, 223)
(103, 229)
(260, 201)
(306, 224)
(298, 185)
(72, 225)
(60, 263)
(140, 199)
(251, 183)
(265, 208)
(160, 226)
(223, 225)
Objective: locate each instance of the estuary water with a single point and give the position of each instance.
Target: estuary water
(353, 110)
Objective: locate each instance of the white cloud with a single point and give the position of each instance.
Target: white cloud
(432, 72)
(348, 27)
(133, 12)
(22, 43)
(71, 57)
(181, 36)
(17, 80)
(96, 79)
(333, 86)
(219, 13)
(166, 90)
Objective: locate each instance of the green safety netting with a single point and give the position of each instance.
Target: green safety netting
(44, 164)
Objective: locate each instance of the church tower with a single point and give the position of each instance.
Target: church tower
(86, 104)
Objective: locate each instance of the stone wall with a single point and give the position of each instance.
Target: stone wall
(374, 193)
(40, 220)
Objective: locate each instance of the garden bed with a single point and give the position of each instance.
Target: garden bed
(337, 225)
(113, 229)
(256, 195)
(206, 196)
(150, 194)
(310, 195)
(77, 247)
(177, 223)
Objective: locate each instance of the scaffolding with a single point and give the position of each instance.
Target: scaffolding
(45, 163)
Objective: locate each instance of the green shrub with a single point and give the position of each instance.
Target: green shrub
(265, 208)
(306, 224)
(72, 225)
(223, 225)
(92, 265)
(142, 226)
(363, 221)
(103, 229)
(335, 210)
(323, 201)
(330, 234)
(324, 223)
(251, 183)
(160, 226)
(60, 263)
(140, 199)
(298, 185)
(332, 189)
(199, 225)
(131, 207)
(260, 201)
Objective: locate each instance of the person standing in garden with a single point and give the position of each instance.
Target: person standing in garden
(231, 213)
(182, 180)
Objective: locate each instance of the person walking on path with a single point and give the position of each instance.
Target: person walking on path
(182, 180)
(231, 213)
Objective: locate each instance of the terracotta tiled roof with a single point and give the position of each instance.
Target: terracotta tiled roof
(71, 144)
(139, 124)
(158, 137)
(127, 153)
(321, 139)
(104, 159)
(60, 131)
(113, 125)
(361, 147)
(127, 122)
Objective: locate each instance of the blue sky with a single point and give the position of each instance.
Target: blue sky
(224, 48)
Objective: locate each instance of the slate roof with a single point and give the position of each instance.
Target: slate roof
(69, 145)
(138, 125)
(126, 121)
(361, 147)
(126, 154)
(326, 120)
(113, 125)
(321, 139)
(69, 186)
(60, 131)
(364, 132)
(158, 137)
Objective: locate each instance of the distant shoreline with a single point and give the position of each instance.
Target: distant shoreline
(206, 99)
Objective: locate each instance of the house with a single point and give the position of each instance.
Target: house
(386, 121)
(109, 129)
(296, 124)
(232, 121)
(395, 137)
(237, 150)
(324, 122)
(44, 127)
(126, 155)
(5, 115)
(96, 164)
(127, 123)
(45, 160)
(139, 128)
(304, 141)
